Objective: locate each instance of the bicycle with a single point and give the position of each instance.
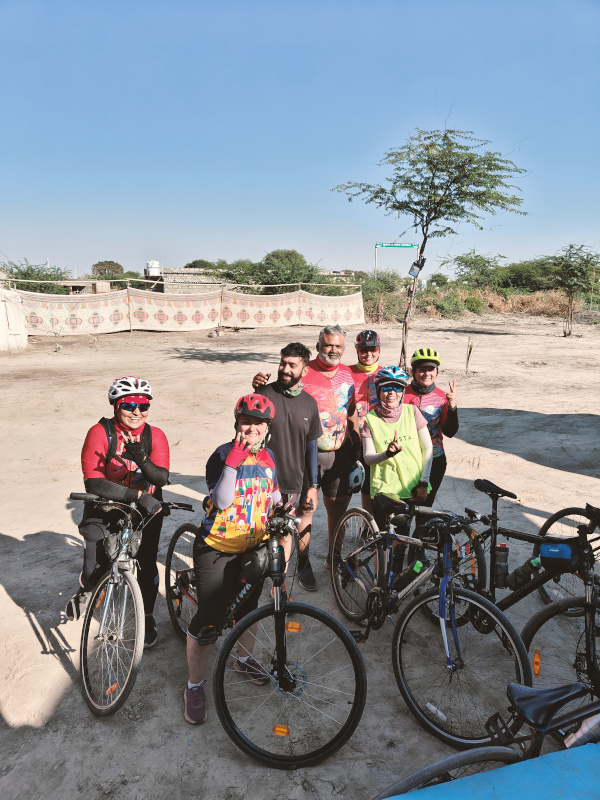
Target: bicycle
(563, 639)
(112, 638)
(449, 680)
(316, 692)
(536, 708)
(364, 576)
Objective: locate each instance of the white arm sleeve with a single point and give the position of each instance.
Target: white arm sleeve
(370, 455)
(427, 451)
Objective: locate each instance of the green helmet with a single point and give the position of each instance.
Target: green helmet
(427, 354)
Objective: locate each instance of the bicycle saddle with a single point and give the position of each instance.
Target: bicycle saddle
(390, 506)
(489, 488)
(538, 706)
(593, 513)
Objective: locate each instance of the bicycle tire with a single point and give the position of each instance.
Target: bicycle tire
(454, 705)
(567, 584)
(459, 765)
(180, 557)
(323, 710)
(559, 638)
(353, 529)
(109, 667)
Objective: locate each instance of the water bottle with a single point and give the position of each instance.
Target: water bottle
(409, 574)
(501, 570)
(588, 732)
(522, 575)
(395, 568)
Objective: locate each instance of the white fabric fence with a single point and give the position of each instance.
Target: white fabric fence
(134, 309)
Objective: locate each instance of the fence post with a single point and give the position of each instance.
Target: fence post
(129, 308)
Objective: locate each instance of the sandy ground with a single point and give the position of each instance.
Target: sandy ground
(529, 422)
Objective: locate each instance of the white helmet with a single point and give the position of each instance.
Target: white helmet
(122, 387)
(356, 478)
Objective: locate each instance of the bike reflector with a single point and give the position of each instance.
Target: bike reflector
(537, 662)
(281, 730)
(112, 689)
(293, 627)
(101, 598)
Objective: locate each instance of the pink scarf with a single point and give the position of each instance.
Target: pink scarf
(388, 413)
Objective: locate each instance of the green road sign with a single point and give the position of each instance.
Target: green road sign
(394, 244)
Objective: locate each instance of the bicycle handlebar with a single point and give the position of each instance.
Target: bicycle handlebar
(87, 497)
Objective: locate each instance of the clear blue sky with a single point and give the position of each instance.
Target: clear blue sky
(181, 130)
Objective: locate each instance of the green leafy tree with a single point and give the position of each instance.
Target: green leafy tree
(439, 181)
(22, 271)
(439, 279)
(277, 267)
(200, 263)
(102, 268)
(475, 269)
(575, 266)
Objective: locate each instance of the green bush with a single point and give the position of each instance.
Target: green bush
(449, 305)
(475, 303)
(36, 272)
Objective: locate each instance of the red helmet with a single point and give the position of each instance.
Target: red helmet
(367, 339)
(255, 405)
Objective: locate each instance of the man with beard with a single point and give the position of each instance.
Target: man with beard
(294, 432)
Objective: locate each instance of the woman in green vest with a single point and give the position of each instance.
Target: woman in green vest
(396, 441)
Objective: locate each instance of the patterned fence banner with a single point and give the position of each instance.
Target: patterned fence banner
(134, 309)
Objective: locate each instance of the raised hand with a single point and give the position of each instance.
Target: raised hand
(393, 447)
(260, 379)
(451, 394)
(238, 453)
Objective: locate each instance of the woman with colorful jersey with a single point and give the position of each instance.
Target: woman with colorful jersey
(438, 408)
(364, 372)
(126, 460)
(243, 489)
(396, 443)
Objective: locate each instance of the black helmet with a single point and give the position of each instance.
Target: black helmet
(367, 339)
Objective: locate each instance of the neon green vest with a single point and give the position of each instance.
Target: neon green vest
(396, 477)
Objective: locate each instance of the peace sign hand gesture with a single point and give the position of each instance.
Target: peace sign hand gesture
(393, 447)
(451, 394)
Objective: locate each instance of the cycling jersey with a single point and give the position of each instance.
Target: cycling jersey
(364, 390)
(335, 400)
(440, 418)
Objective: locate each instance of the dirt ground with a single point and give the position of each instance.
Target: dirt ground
(528, 421)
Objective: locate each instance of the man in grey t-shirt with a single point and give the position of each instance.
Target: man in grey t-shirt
(295, 429)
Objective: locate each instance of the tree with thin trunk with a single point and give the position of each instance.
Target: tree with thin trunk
(440, 180)
(574, 265)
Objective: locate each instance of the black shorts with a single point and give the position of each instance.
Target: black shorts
(333, 471)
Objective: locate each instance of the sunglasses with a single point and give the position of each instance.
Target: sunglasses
(398, 389)
(143, 407)
(367, 349)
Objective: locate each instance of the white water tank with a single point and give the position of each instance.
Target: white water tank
(153, 269)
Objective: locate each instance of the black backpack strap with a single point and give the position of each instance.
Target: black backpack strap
(111, 435)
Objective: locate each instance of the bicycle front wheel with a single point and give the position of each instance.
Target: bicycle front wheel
(471, 762)
(568, 584)
(555, 641)
(180, 578)
(316, 712)
(455, 701)
(353, 576)
(110, 661)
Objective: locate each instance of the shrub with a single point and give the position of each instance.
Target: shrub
(475, 303)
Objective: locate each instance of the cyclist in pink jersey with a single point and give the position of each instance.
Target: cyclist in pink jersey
(438, 407)
(368, 347)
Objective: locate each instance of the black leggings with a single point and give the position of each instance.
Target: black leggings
(96, 562)
(438, 470)
(218, 580)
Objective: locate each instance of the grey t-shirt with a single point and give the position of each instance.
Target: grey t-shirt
(296, 423)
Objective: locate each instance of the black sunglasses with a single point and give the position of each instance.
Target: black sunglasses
(392, 388)
(143, 407)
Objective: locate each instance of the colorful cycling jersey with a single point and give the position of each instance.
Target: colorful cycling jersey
(335, 400)
(434, 407)
(121, 470)
(364, 390)
(244, 524)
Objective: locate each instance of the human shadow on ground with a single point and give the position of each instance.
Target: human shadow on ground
(568, 442)
(212, 356)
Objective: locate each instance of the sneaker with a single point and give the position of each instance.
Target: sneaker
(75, 608)
(327, 564)
(254, 671)
(151, 635)
(194, 705)
(306, 579)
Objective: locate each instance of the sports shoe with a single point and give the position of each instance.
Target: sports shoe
(75, 608)
(306, 579)
(151, 635)
(194, 705)
(327, 565)
(254, 671)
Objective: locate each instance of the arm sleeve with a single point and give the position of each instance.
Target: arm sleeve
(156, 468)
(224, 490)
(311, 461)
(110, 490)
(427, 451)
(370, 455)
(450, 424)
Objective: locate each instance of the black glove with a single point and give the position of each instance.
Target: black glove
(148, 504)
(135, 452)
(420, 492)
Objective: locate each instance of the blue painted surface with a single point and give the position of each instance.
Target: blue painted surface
(567, 775)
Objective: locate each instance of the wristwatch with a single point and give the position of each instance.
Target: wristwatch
(314, 486)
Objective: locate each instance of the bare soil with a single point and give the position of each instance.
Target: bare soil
(529, 422)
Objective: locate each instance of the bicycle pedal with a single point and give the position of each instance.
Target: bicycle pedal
(358, 636)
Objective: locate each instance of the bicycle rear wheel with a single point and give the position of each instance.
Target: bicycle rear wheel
(459, 765)
(555, 641)
(180, 578)
(454, 703)
(302, 725)
(353, 577)
(110, 663)
(563, 524)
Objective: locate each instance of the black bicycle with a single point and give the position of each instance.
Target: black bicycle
(317, 689)
(112, 639)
